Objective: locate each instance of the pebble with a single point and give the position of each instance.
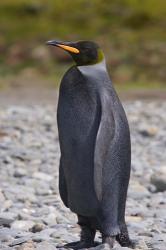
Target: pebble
(42, 176)
(121, 248)
(37, 228)
(6, 218)
(20, 172)
(2, 198)
(101, 247)
(148, 131)
(27, 246)
(32, 215)
(158, 179)
(137, 191)
(45, 245)
(23, 225)
(19, 241)
(106, 247)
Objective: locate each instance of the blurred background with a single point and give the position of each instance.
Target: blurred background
(131, 33)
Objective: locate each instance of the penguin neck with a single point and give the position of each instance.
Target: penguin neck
(93, 69)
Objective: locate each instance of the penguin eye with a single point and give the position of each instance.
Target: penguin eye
(86, 50)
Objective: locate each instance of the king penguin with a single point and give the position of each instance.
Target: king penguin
(95, 147)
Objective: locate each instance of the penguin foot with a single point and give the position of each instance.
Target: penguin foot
(110, 240)
(80, 244)
(124, 240)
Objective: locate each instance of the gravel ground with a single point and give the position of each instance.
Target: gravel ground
(32, 215)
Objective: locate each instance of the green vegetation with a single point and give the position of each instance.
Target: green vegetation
(131, 33)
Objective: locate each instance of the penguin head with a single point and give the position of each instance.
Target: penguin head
(82, 52)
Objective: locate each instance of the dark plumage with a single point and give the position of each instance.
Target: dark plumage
(95, 147)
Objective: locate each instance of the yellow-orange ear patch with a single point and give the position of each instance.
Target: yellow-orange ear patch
(69, 48)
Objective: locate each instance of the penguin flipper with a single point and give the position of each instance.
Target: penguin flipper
(62, 185)
(104, 137)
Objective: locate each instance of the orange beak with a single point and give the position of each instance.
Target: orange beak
(63, 46)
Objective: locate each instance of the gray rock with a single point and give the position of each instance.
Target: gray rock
(106, 247)
(20, 172)
(158, 179)
(7, 204)
(6, 218)
(42, 176)
(47, 232)
(20, 241)
(23, 225)
(157, 245)
(4, 231)
(30, 245)
(21, 193)
(148, 131)
(45, 245)
(40, 237)
(2, 198)
(122, 248)
(6, 238)
(37, 228)
(137, 191)
(50, 219)
(43, 235)
(101, 247)
(4, 247)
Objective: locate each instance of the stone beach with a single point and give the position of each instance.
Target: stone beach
(32, 215)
